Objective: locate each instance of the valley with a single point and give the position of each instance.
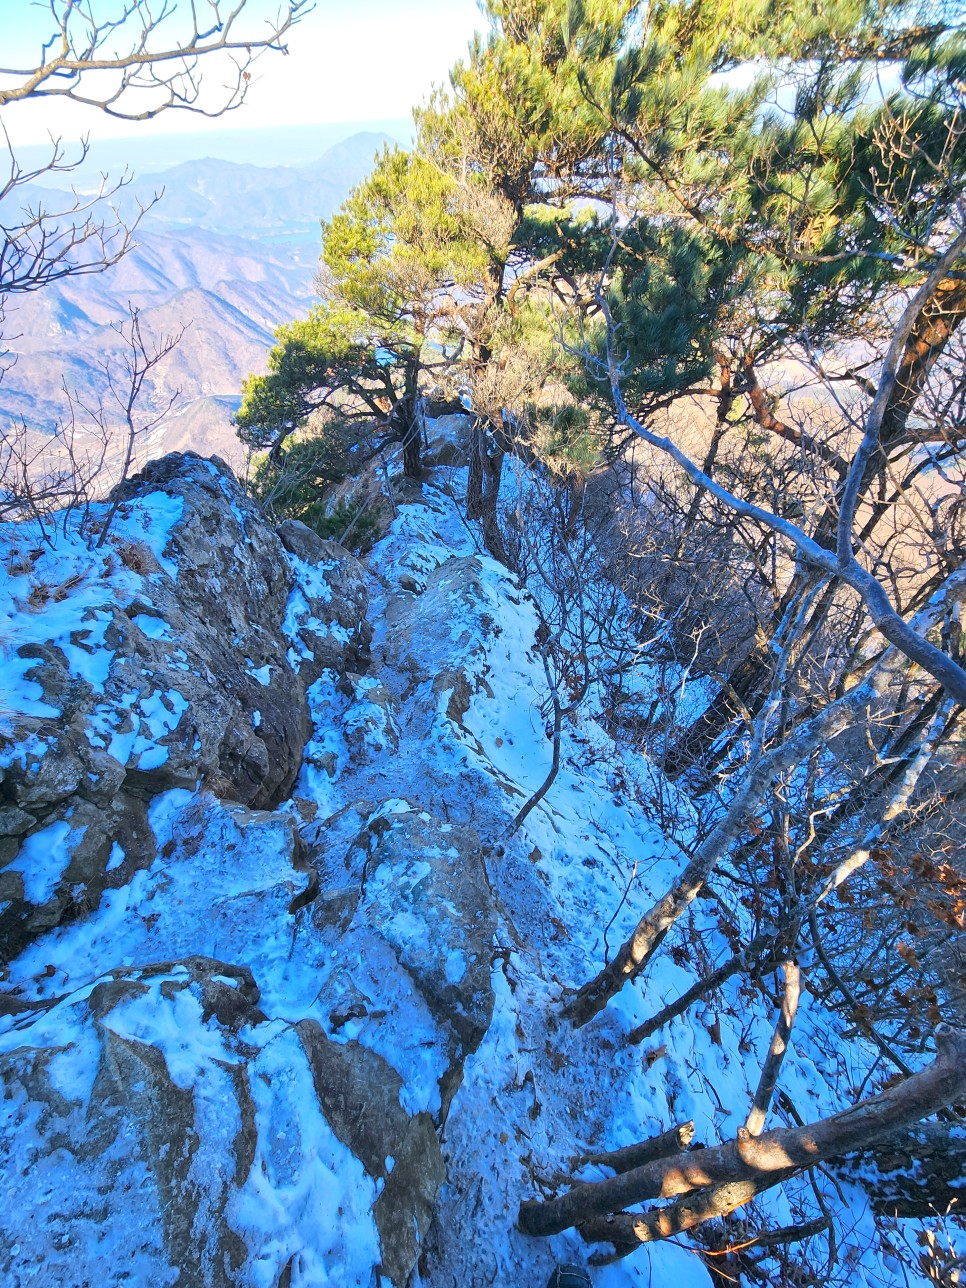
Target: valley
(226, 254)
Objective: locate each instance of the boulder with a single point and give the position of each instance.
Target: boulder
(161, 1125)
(359, 1095)
(204, 1089)
(415, 907)
(368, 723)
(190, 668)
(441, 641)
(448, 438)
(327, 615)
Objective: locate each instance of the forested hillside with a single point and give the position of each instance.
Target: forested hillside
(518, 833)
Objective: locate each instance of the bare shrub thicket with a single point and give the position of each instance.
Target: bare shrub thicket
(56, 478)
(708, 594)
(830, 789)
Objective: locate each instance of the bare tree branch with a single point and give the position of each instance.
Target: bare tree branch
(728, 1175)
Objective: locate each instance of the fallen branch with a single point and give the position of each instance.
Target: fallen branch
(749, 1163)
(673, 1141)
(628, 1230)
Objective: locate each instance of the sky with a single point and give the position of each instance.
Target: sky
(348, 61)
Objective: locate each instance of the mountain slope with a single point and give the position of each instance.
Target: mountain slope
(299, 1009)
(230, 250)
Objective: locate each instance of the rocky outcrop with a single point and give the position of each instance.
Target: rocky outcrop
(435, 639)
(224, 1092)
(169, 1114)
(327, 614)
(192, 669)
(272, 956)
(415, 898)
(359, 1093)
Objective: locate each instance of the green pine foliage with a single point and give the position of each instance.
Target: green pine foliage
(777, 192)
(762, 186)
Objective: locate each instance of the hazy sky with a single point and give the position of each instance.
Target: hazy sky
(349, 60)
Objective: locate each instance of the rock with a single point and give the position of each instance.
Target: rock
(225, 606)
(427, 873)
(444, 452)
(329, 618)
(299, 540)
(360, 1097)
(230, 1063)
(368, 725)
(126, 1136)
(423, 903)
(14, 821)
(154, 1128)
(448, 440)
(172, 1087)
(182, 677)
(441, 639)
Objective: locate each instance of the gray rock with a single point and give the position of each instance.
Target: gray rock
(422, 895)
(449, 437)
(15, 821)
(208, 695)
(359, 1095)
(434, 655)
(131, 1148)
(333, 629)
(369, 725)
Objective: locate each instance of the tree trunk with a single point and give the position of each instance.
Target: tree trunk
(483, 488)
(746, 685)
(777, 1051)
(406, 413)
(412, 457)
(730, 1174)
(628, 1230)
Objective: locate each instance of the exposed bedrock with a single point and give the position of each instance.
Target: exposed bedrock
(206, 656)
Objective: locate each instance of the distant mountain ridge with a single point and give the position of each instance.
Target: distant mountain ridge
(289, 145)
(228, 196)
(229, 252)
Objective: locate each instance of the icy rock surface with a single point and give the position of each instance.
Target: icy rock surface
(140, 1070)
(327, 612)
(167, 667)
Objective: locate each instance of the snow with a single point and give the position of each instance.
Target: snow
(57, 591)
(43, 859)
(150, 522)
(132, 728)
(174, 1025)
(155, 628)
(310, 1201)
(570, 885)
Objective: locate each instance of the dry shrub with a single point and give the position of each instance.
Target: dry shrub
(137, 556)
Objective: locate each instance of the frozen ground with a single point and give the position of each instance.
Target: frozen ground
(450, 719)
